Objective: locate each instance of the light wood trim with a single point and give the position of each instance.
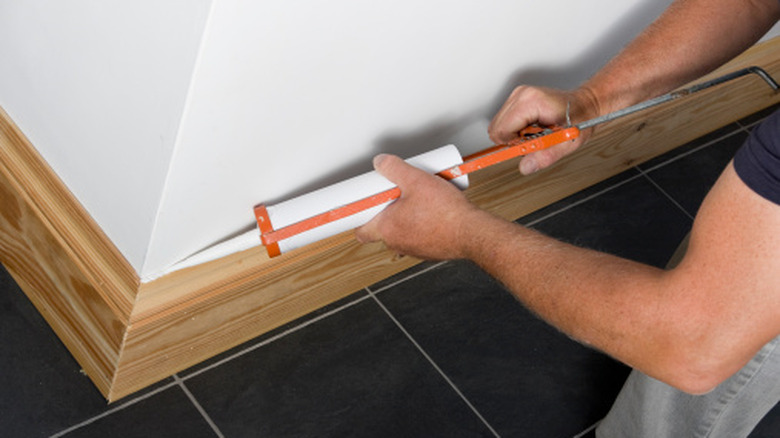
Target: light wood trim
(188, 316)
(248, 293)
(58, 256)
(69, 223)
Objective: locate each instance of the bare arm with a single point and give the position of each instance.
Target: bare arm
(691, 327)
(691, 38)
(688, 40)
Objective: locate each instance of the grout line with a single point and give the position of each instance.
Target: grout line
(666, 194)
(657, 166)
(747, 127)
(113, 410)
(741, 129)
(581, 201)
(694, 150)
(433, 363)
(179, 381)
(584, 432)
(407, 278)
(646, 173)
(198, 406)
(274, 338)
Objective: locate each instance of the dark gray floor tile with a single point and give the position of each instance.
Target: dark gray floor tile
(525, 377)
(769, 427)
(713, 136)
(633, 220)
(275, 333)
(418, 269)
(689, 178)
(43, 390)
(521, 374)
(347, 370)
(167, 414)
(351, 374)
(579, 197)
(760, 115)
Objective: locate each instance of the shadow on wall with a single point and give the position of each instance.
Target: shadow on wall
(458, 130)
(589, 60)
(469, 132)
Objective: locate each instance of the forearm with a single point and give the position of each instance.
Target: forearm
(691, 38)
(691, 327)
(599, 299)
(631, 311)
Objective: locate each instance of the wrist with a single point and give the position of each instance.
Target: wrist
(585, 106)
(478, 234)
(588, 105)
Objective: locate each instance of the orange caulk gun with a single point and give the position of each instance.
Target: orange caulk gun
(294, 223)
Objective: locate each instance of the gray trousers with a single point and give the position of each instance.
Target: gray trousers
(646, 407)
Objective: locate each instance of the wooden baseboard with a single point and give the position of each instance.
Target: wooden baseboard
(58, 255)
(127, 335)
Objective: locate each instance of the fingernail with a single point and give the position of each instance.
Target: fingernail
(528, 166)
(379, 159)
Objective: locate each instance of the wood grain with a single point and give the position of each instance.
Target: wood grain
(70, 271)
(82, 239)
(247, 293)
(134, 334)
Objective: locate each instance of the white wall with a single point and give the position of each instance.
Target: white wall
(290, 96)
(99, 88)
(171, 119)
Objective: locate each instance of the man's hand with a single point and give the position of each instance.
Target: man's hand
(430, 218)
(544, 106)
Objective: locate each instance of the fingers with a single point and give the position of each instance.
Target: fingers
(543, 159)
(396, 171)
(525, 106)
(529, 105)
(425, 221)
(511, 117)
(368, 232)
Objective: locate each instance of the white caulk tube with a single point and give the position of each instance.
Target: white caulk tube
(323, 200)
(337, 195)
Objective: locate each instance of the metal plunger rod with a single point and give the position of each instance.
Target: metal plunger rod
(531, 139)
(679, 93)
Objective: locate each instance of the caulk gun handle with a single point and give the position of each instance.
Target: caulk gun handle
(532, 139)
(535, 129)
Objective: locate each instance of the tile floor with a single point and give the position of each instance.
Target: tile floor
(439, 351)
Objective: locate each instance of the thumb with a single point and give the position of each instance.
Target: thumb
(392, 168)
(395, 169)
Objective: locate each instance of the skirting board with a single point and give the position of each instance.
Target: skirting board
(127, 334)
